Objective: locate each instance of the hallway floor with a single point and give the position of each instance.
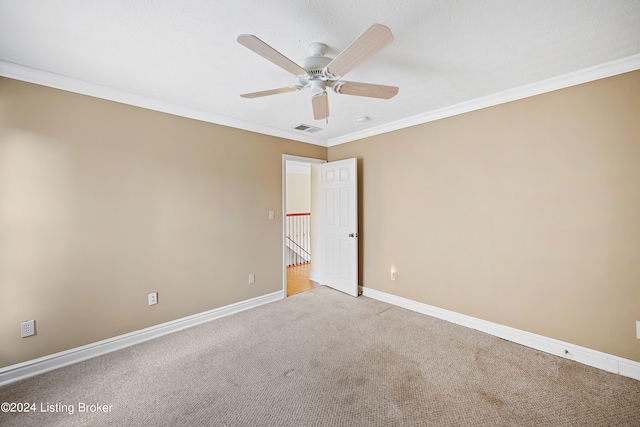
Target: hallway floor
(298, 279)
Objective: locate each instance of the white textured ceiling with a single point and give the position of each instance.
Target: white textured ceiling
(181, 56)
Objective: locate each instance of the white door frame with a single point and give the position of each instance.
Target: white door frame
(285, 158)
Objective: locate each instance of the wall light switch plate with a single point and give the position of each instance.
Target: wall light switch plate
(272, 215)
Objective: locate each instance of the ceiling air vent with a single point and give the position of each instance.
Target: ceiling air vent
(307, 128)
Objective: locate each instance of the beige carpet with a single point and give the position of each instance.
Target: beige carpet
(322, 358)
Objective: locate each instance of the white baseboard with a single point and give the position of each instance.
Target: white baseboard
(44, 364)
(587, 356)
(315, 276)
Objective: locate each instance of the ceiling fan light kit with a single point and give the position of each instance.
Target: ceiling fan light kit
(319, 73)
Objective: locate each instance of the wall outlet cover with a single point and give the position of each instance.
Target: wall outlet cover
(27, 328)
(152, 298)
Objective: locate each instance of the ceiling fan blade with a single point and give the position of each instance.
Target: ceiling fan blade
(371, 41)
(320, 104)
(366, 89)
(261, 48)
(269, 92)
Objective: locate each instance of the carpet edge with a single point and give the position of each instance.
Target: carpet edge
(594, 358)
(29, 368)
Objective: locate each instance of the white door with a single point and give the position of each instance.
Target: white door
(339, 191)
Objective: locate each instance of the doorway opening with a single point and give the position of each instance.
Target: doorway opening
(333, 209)
(301, 258)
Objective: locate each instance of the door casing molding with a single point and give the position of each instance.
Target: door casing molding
(285, 158)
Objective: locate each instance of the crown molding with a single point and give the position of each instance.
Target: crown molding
(45, 78)
(56, 81)
(608, 69)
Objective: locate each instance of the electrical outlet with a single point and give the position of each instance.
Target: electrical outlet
(252, 278)
(152, 298)
(27, 328)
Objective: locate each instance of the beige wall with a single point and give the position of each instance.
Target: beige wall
(102, 203)
(298, 192)
(525, 214)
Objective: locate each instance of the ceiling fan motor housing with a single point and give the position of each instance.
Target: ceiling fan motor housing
(317, 86)
(314, 64)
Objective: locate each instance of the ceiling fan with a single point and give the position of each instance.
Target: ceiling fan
(319, 73)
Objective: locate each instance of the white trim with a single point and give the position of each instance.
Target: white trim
(45, 78)
(315, 276)
(44, 364)
(587, 356)
(33, 75)
(608, 69)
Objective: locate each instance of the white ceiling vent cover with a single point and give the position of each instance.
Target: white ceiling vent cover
(307, 128)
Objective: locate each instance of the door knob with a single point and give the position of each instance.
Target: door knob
(353, 234)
